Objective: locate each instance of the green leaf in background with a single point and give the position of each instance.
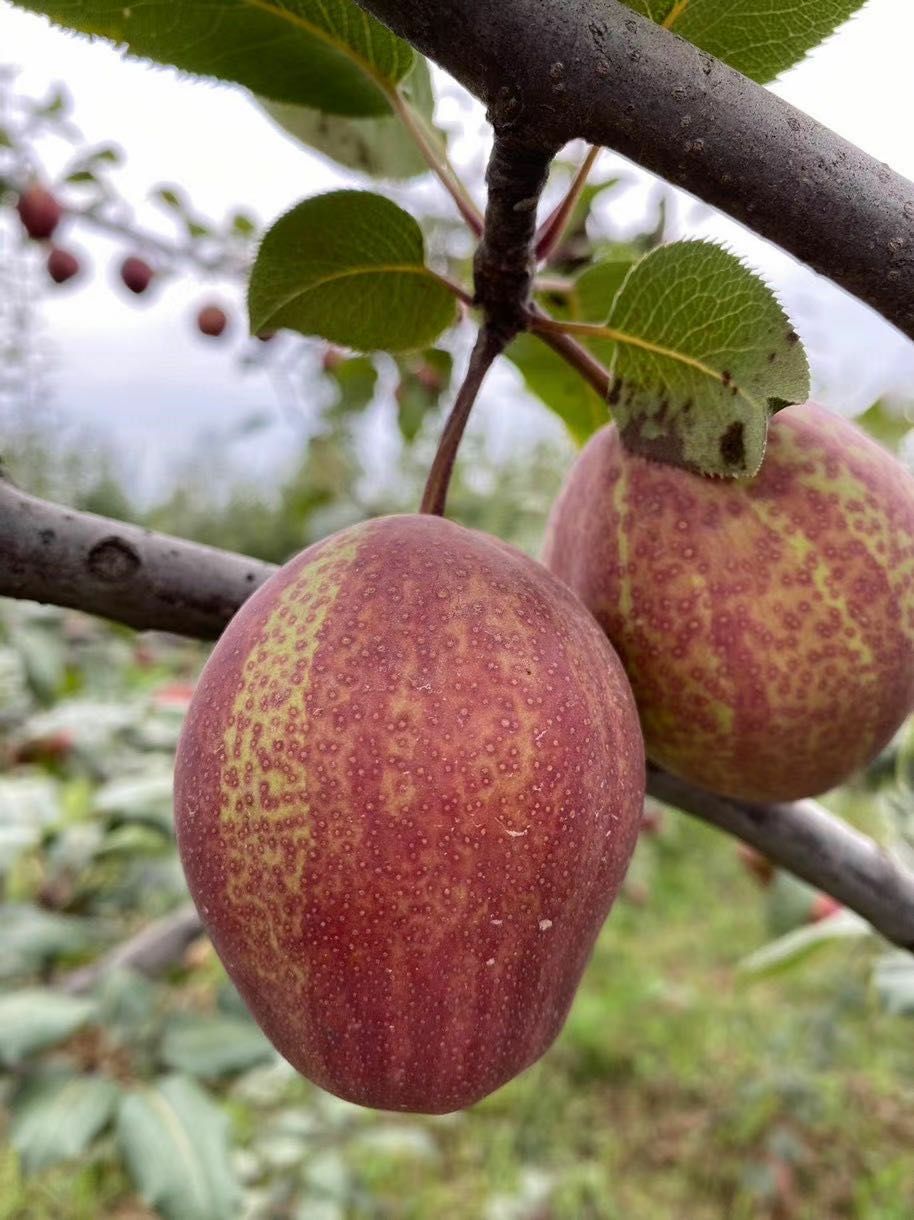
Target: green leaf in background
(33, 937)
(424, 377)
(146, 797)
(550, 377)
(58, 1114)
(894, 980)
(797, 946)
(174, 1139)
(35, 1017)
(215, 1046)
(704, 355)
(559, 386)
(354, 381)
(350, 267)
(888, 424)
(328, 54)
(759, 40)
(29, 804)
(381, 147)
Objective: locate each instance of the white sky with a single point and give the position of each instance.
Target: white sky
(139, 368)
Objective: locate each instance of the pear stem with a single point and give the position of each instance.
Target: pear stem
(488, 347)
(574, 353)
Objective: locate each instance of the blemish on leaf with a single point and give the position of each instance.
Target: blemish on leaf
(733, 447)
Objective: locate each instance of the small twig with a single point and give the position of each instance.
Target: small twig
(488, 346)
(437, 161)
(465, 298)
(553, 283)
(593, 372)
(553, 227)
(151, 951)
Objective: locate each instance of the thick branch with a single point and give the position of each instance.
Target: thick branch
(811, 843)
(505, 262)
(51, 554)
(550, 71)
(195, 590)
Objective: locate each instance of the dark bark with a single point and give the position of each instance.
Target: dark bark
(550, 71)
(122, 572)
(808, 841)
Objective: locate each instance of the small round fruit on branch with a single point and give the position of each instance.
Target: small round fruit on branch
(766, 624)
(407, 791)
(39, 212)
(136, 274)
(62, 265)
(212, 321)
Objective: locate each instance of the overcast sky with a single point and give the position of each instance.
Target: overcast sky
(143, 372)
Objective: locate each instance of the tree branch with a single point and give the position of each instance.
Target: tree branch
(195, 590)
(505, 261)
(151, 951)
(122, 572)
(813, 844)
(550, 72)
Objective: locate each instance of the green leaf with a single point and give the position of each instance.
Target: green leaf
(704, 355)
(423, 379)
(350, 267)
(32, 937)
(887, 424)
(146, 797)
(790, 950)
(559, 386)
(894, 980)
(211, 1047)
(58, 1114)
(174, 1139)
(354, 381)
(761, 41)
(381, 147)
(329, 54)
(551, 378)
(34, 1018)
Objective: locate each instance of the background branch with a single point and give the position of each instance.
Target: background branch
(151, 951)
(549, 72)
(195, 590)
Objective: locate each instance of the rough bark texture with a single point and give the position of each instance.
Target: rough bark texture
(550, 71)
(49, 553)
(808, 841)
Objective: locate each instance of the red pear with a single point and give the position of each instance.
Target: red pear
(407, 791)
(62, 265)
(766, 624)
(39, 212)
(136, 274)
(212, 321)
